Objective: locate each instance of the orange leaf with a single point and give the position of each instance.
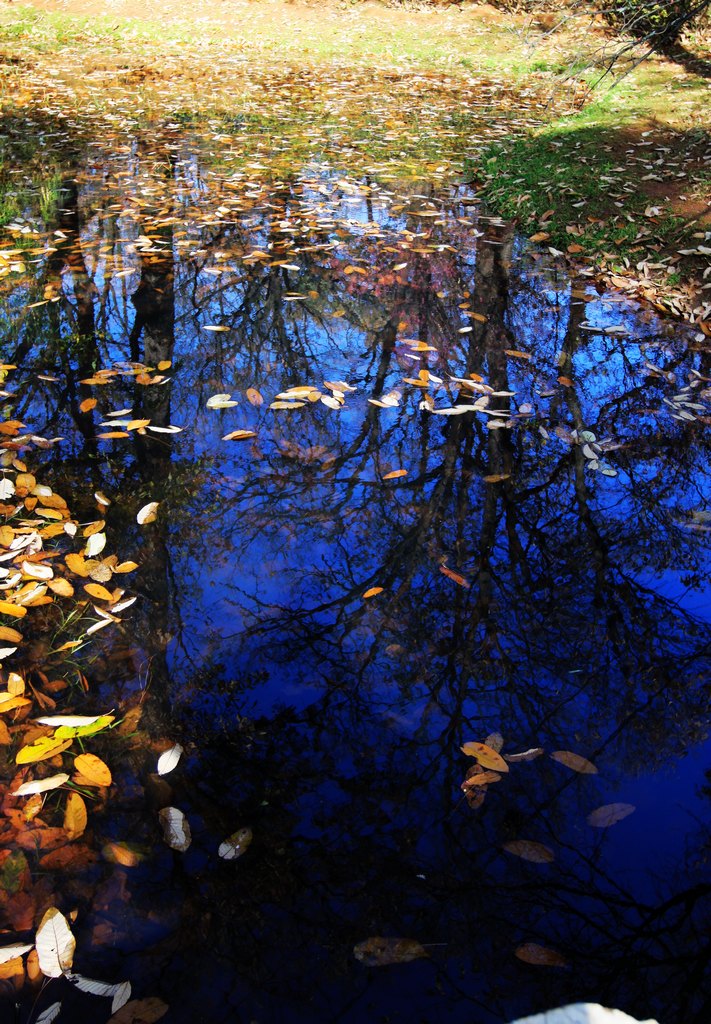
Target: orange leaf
(372, 591)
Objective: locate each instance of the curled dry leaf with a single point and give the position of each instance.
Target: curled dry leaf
(610, 814)
(236, 844)
(486, 756)
(379, 951)
(574, 761)
(176, 829)
(55, 944)
(541, 956)
(527, 849)
(147, 514)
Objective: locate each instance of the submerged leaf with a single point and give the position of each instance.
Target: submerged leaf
(541, 956)
(176, 829)
(574, 761)
(236, 844)
(527, 849)
(610, 814)
(379, 951)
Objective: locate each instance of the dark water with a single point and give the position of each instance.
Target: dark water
(332, 724)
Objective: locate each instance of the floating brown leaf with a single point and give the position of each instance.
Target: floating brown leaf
(574, 761)
(379, 951)
(610, 814)
(140, 1011)
(527, 849)
(541, 956)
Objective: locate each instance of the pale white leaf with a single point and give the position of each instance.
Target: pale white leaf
(15, 950)
(55, 944)
(148, 513)
(40, 786)
(95, 544)
(73, 721)
(169, 759)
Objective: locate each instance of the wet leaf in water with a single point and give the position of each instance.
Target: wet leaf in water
(395, 474)
(75, 816)
(526, 755)
(11, 952)
(41, 749)
(455, 577)
(236, 844)
(254, 397)
(122, 853)
(98, 592)
(176, 829)
(50, 1014)
(147, 514)
(41, 785)
(168, 760)
(527, 849)
(372, 592)
(494, 740)
(496, 478)
(541, 956)
(239, 435)
(486, 756)
(379, 951)
(220, 402)
(140, 1011)
(93, 769)
(574, 761)
(610, 814)
(55, 944)
(95, 545)
(119, 993)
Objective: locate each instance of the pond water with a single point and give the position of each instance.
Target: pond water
(538, 577)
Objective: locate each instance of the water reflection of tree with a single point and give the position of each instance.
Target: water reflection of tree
(558, 640)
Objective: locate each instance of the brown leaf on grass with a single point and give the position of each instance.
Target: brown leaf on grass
(379, 951)
(574, 761)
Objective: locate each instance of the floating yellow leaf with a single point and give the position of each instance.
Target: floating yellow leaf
(97, 591)
(41, 749)
(486, 756)
(92, 768)
(239, 435)
(16, 611)
(372, 591)
(395, 474)
(75, 816)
